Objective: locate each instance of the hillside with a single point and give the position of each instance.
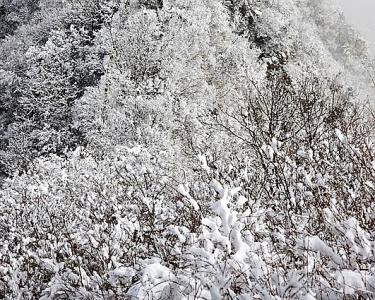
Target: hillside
(185, 149)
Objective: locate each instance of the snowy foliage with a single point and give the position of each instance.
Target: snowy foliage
(184, 150)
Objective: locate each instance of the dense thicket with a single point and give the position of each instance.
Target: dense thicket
(184, 150)
(45, 66)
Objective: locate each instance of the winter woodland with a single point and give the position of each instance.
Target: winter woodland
(185, 149)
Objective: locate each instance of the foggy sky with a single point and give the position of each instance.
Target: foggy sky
(361, 14)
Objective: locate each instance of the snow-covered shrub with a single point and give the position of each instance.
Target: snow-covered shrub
(303, 155)
(80, 227)
(117, 227)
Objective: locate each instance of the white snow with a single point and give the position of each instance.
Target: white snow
(314, 243)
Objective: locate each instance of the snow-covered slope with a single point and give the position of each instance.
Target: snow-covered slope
(173, 149)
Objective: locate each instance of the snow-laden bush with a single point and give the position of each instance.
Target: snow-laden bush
(82, 228)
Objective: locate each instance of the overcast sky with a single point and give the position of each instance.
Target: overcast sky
(361, 13)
